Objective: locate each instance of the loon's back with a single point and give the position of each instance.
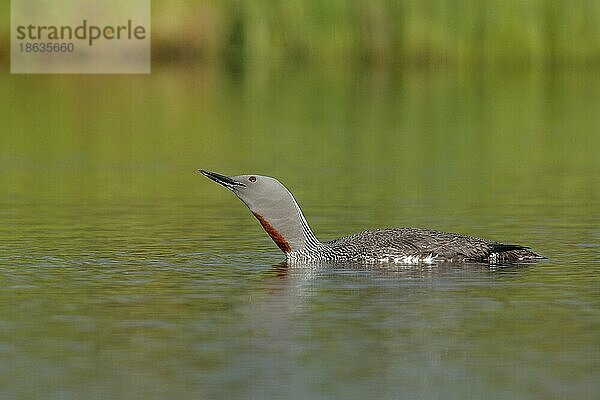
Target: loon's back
(410, 245)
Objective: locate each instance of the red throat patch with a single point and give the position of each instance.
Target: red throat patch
(274, 233)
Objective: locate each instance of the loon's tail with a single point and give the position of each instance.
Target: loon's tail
(512, 253)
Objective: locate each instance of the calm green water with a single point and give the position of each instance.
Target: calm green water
(124, 274)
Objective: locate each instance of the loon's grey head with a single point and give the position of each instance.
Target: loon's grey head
(273, 205)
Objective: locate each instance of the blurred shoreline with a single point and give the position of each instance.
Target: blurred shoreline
(508, 34)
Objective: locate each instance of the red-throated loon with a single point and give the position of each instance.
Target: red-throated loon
(279, 214)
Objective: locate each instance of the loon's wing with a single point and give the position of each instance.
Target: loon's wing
(419, 243)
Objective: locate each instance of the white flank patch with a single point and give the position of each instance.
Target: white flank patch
(430, 259)
(494, 258)
(406, 260)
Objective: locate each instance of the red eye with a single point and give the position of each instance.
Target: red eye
(252, 179)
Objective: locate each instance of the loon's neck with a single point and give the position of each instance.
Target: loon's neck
(287, 226)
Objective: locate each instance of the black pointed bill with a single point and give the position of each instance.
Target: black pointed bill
(226, 181)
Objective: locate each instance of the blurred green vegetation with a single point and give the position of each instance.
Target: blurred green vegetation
(259, 33)
(537, 33)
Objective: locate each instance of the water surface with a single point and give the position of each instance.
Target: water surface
(125, 274)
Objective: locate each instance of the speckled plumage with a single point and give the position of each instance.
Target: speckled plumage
(413, 246)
